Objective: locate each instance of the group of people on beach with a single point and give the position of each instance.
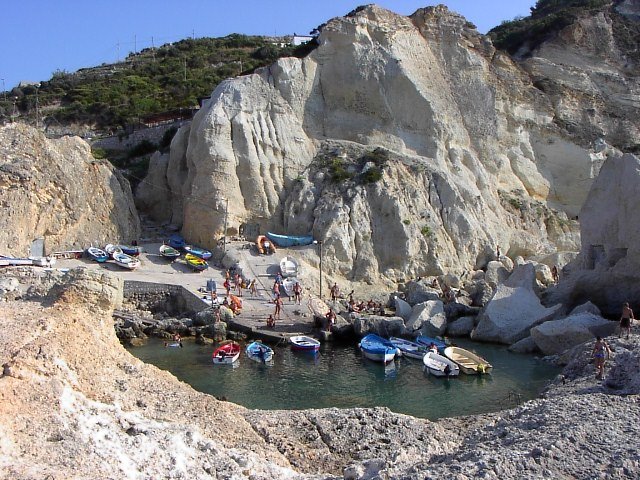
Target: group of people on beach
(279, 292)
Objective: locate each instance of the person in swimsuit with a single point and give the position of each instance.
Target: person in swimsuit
(601, 353)
(625, 319)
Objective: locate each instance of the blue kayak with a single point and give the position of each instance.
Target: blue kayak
(290, 240)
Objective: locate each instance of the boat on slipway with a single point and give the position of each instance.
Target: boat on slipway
(197, 251)
(227, 353)
(111, 249)
(197, 263)
(264, 245)
(131, 250)
(97, 254)
(409, 349)
(176, 241)
(290, 240)
(289, 267)
(377, 348)
(259, 352)
(168, 251)
(126, 261)
(469, 362)
(440, 366)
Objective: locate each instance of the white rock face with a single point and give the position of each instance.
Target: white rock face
(513, 310)
(557, 336)
(607, 270)
(428, 318)
(467, 136)
(55, 189)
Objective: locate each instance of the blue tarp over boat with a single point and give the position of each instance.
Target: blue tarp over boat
(290, 240)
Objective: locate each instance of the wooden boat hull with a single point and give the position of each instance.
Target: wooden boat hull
(196, 263)
(440, 366)
(111, 249)
(226, 354)
(176, 241)
(197, 251)
(469, 362)
(259, 352)
(288, 267)
(169, 252)
(290, 240)
(427, 341)
(377, 348)
(97, 254)
(409, 349)
(126, 261)
(302, 343)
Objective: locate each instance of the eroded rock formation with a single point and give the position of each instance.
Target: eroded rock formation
(476, 153)
(55, 189)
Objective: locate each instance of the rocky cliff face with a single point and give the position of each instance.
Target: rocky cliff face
(606, 270)
(75, 404)
(475, 153)
(55, 189)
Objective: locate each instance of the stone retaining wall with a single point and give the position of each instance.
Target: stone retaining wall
(192, 301)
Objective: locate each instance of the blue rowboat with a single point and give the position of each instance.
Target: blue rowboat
(259, 352)
(427, 341)
(304, 344)
(409, 349)
(97, 254)
(290, 240)
(176, 241)
(377, 348)
(197, 251)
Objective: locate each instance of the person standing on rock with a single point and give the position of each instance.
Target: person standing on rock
(555, 275)
(335, 292)
(625, 319)
(601, 353)
(498, 252)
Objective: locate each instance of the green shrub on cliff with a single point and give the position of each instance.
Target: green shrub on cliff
(546, 19)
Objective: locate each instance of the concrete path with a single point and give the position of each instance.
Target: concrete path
(294, 320)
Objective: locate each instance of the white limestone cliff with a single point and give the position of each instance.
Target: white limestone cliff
(475, 155)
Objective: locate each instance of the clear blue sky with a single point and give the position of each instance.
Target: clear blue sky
(41, 36)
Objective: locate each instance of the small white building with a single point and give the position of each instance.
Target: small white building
(300, 39)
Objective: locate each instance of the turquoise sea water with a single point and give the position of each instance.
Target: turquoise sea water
(338, 376)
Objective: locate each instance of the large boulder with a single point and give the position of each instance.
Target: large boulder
(428, 318)
(496, 273)
(402, 308)
(526, 345)
(559, 335)
(420, 291)
(383, 326)
(607, 270)
(462, 327)
(513, 310)
(91, 287)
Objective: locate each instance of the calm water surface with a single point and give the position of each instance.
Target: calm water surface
(338, 376)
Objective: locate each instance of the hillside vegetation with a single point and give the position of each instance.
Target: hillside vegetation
(171, 77)
(522, 35)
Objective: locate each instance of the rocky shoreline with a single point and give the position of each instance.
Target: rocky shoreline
(71, 391)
